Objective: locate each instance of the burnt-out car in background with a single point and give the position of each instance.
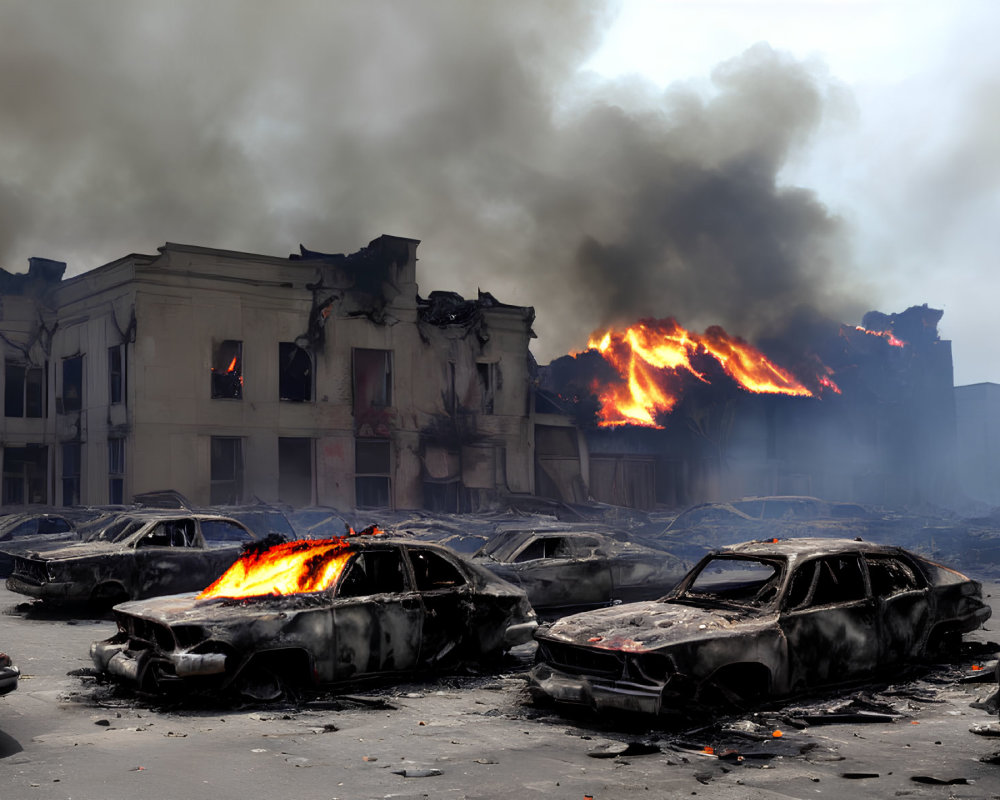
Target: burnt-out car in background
(760, 619)
(137, 554)
(42, 527)
(319, 612)
(564, 569)
(9, 674)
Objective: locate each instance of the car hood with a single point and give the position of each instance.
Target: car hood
(187, 609)
(61, 552)
(651, 625)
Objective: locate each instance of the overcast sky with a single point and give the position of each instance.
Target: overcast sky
(723, 163)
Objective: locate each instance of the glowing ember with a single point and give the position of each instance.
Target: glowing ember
(654, 356)
(887, 335)
(286, 568)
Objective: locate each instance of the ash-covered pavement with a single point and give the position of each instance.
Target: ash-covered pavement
(65, 735)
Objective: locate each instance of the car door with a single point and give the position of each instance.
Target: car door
(449, 609)
(377, 616)
(554, 573)
(170, 558)
(828, 620)
(902, 607)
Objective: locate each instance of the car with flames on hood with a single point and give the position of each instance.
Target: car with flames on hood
(562, 569)
(758, 620)
(315, 612)
(137, 554)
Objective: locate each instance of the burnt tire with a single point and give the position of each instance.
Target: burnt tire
(107, 595)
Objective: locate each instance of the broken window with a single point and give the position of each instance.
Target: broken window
(548, 547)
(295, 471)
(372, 474)
(890, 576)
(170, 533)
(373, 572)
(226, 470)
(487, 374)
(116, 471)
(25, 472)
(220, 531)
(736, 582)
(838, 580)
(71, 473)
(434, 571)
(295, 373)
(116, 374)
(24, 390)
(72, 384)
(227, 370)
(372, 379)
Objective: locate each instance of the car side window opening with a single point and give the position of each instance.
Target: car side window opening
(737, 580)
(216, 531)
(433, 571)
(546, 547)
(890, 576)
(837, 579)
(373, 572)
(170, 533)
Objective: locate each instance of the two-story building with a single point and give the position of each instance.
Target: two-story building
(313, 379)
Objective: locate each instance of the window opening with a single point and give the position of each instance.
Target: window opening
(116, 471)
(71, 457)
(372, 473)
(226, 470)
(295, 471)
(116, 374)
(227, 370)
(24, 390)
(72, 384)
(295, 373)
(373, 572)
(434, 571)
(372, 379)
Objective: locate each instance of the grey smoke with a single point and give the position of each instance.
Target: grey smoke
(256, 126)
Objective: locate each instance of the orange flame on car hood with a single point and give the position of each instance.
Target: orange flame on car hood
(652, 357)
(286, 568)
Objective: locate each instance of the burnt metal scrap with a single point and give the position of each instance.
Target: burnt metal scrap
(395, 607)
(137, 554)
(564, 568)
(757, 620)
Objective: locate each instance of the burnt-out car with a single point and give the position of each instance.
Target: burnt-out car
(9, 674)
(136, 555)
(760, 619)
(563, 569)
(318, 612)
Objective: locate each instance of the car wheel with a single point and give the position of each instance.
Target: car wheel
(107, 595)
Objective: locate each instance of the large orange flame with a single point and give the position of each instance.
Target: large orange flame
(653, 356)
(286, 568)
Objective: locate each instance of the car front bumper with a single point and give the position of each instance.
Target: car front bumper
(597, 693)
(56, 591)
(128, 666)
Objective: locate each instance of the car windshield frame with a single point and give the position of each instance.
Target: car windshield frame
(757, 591)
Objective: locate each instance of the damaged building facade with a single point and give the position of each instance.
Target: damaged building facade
(886, 437)
(231, 377)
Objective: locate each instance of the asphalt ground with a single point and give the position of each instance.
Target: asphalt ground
(64, 734)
